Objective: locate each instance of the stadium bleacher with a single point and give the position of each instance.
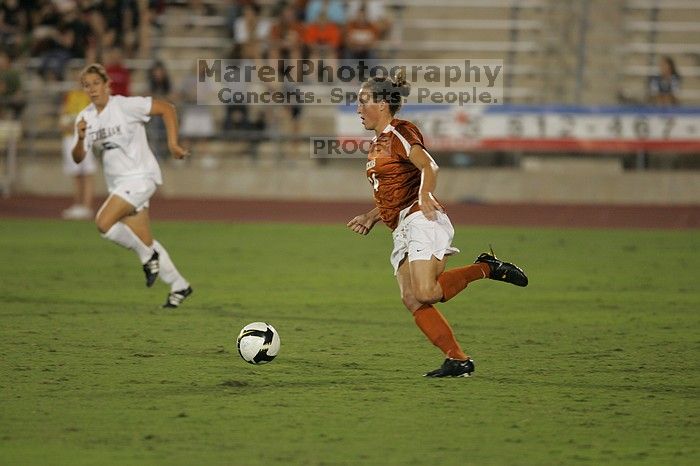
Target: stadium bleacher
(577, 53)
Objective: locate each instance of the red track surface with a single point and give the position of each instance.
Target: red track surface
(239, 210)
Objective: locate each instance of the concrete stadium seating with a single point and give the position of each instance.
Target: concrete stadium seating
(555, 52)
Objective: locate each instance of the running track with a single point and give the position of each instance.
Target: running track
(240, 210)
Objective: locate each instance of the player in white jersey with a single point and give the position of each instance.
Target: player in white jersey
(112, 127)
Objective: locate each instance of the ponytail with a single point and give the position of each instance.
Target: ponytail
(392, 91)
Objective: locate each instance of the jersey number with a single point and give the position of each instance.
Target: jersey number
(373, 181)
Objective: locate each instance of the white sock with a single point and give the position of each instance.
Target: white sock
(168, 273)
(124, 236)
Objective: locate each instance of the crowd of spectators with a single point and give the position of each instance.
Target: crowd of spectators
(56, 33)
(334, 29)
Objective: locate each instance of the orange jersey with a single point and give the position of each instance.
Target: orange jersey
(393, 176)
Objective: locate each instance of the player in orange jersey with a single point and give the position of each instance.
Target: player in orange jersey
(403, 176)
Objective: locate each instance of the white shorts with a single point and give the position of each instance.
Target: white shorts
(135, 191)
(86, 167)
(421, 238)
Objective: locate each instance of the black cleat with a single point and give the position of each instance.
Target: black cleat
(176, 298)
(502, 271)
(453, 368)
(151, 269)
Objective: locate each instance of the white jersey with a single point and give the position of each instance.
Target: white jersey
(118, 134)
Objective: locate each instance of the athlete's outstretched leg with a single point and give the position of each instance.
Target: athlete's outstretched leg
(428, 319)
(180, 288)
(119, 223)
(168, 272)
(453, 281)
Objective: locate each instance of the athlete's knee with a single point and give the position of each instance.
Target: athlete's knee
(426, 294)
(103, 225)
(409, 301)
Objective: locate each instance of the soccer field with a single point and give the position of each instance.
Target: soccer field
(595, 362)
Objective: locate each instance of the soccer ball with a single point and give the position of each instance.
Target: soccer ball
(258, 343)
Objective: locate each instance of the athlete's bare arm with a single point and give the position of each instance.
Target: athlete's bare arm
(78, 151)
(428, 180)
(167, 111)
(363, 223)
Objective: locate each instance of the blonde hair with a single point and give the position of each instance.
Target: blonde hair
(97, 69)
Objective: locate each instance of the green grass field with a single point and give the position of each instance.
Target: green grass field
(596, 362)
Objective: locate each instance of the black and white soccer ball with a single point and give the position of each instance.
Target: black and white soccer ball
(258, 343)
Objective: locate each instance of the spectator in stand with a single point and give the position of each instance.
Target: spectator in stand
(82, 173)
(45, 21)
(128, 34)
(287, 86)
(286, 35)
(11, 97)
(159, 81)
(323, 38)
(250, 25)
(45, 14)
(663, 88)
(232, 11)
(298, 6)
(12, 18)
(197, 120)
(98, 40)
(119, 75)
(375, 12)
(122, 26)
(160, 88)
(57, 52)
(113, 17)
(244, 121)
(361, 36)
(334, 11)
(73, 20)
(13, 22)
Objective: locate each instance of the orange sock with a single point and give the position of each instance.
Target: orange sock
(438, 331)
(455, 280)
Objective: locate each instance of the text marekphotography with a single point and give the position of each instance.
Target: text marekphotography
(337, 82)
